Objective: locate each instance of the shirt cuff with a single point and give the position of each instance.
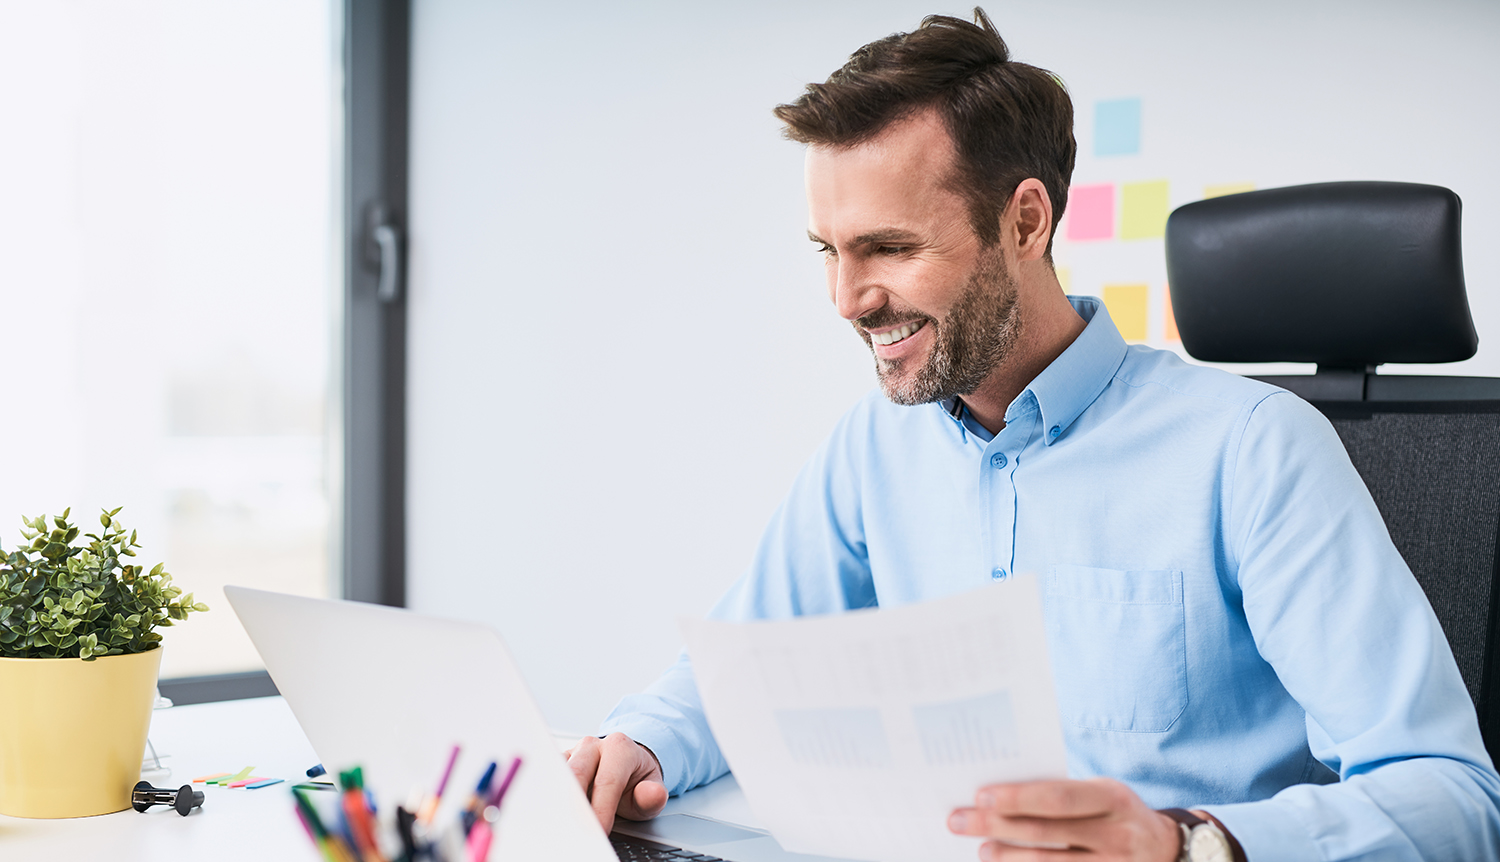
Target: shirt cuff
(658, 737)
(1268, 829)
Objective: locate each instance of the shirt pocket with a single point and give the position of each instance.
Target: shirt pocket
(1118, 646)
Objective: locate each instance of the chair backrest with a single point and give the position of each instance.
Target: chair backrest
(1350, 276)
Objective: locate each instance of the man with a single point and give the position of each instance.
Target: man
(1231, 629)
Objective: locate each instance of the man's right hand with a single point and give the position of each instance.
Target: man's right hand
(619, 776)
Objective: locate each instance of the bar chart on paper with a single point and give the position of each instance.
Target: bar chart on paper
(855, 735)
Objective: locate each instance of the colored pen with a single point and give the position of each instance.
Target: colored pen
(429, 808)
(476, 802)
(357, 815)
(404, 821)
(331, 846)
(483, 833)
(498, 794)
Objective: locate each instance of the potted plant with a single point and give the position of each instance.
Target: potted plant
(79, 656)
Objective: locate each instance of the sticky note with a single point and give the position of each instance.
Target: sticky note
(204, 778)
(1169, 329)
(1117, 127)
(1065, 278)
(1127, 308)
(264, 782)
(226, 780)
(1091, 211)
(1227, 189)
(1143, 210)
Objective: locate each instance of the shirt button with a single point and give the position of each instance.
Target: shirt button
(1054, 432)
(998, 574)
(998, 459)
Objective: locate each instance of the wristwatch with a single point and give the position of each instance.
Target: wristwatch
(1203, 840)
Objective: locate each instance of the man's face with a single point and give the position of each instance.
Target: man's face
(937, 308)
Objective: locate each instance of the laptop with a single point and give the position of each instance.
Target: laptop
(392, 691)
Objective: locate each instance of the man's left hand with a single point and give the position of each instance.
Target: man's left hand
(1101, 816)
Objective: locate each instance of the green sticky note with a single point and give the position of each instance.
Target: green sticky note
(1143, 209)
(242, 774)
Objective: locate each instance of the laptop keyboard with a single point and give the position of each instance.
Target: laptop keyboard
(631, 849)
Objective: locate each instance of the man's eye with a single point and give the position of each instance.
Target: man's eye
(825, 248)
(891, 250)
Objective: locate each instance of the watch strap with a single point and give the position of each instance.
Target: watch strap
(1188, 820)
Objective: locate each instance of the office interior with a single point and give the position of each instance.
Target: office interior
(610, 349)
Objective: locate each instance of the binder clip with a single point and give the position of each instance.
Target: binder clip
(184, 798)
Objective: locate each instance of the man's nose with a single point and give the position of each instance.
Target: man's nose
(853, 292)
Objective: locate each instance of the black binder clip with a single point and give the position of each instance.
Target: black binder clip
(184, 798)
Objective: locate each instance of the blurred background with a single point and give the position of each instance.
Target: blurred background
(620, 349)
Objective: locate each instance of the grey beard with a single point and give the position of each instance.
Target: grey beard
(970, 342)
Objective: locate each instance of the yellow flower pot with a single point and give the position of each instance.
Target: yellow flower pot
(72, 732)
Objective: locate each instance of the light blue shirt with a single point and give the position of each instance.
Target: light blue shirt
(1229, 624)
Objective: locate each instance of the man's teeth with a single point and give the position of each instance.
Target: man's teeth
(894, 335)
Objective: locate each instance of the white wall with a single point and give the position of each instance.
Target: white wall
(621, 351)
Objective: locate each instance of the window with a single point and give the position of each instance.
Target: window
(171, 285)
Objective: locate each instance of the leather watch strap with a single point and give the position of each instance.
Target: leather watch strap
(1234, 844)
(1189, 819)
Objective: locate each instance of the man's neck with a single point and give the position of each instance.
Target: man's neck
(1050, 325)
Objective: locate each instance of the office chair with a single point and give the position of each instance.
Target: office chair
(1349, 276)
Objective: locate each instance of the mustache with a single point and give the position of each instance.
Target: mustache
(883, 317)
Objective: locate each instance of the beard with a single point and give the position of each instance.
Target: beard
(969, 342)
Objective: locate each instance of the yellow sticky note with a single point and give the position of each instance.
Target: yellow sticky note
(1127, 308)
(1065, 278)
(1222, 189)
(1170, 329)
(1143, 209)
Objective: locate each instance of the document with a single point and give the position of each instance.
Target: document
(855, 735)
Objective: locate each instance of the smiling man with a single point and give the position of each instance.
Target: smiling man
(1245, 667)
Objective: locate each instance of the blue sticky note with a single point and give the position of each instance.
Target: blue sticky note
(1117, 127)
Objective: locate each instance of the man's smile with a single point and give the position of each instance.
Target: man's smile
(900, 333)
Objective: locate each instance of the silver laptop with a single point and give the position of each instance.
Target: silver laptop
(392, 691)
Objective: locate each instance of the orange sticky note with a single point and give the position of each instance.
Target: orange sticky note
(1170, 329)
(209, 777)
(1127, 308)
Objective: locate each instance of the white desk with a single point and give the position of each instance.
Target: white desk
(234, 824)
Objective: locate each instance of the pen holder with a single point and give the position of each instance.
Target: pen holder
(73, 732)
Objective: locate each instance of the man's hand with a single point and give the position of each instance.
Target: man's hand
(1101, 816)
(619, 775)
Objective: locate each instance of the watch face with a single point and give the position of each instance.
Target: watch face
(1208, 844)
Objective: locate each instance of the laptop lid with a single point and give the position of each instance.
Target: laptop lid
(393, 691)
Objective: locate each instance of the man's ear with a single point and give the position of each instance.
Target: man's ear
(1028, 217)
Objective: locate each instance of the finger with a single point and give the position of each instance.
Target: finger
(618, 760)
(1088, 833)
(1060, 799)
(996, 851)
(645, 802)
(583, 759)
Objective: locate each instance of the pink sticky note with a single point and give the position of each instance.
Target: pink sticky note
(1091, 211)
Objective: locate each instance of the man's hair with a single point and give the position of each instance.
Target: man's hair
(1009, 121)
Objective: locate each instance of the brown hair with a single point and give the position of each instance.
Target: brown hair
(1009, 121)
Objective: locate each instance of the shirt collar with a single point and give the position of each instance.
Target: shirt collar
(1070, 384)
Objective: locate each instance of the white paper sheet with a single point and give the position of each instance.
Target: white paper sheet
(855, 735)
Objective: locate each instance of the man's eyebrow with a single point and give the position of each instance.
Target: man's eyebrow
(891, 234)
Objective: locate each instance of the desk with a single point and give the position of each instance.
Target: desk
(235, 824)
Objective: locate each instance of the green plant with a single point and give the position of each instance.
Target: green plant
(61, 600)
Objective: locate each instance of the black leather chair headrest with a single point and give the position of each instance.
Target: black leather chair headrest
(1342, 274)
